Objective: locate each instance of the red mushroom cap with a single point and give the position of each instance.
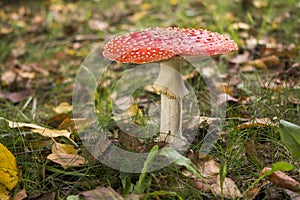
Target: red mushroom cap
(154, 44)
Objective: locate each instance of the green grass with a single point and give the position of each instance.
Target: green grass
(244, 151)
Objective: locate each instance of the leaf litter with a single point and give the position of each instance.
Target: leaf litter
(19, 78)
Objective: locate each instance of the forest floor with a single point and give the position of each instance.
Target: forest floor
(42, 47)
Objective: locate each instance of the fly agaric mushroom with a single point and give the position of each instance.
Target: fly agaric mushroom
(167, 46)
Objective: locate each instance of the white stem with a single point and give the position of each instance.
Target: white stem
(171, 116)
(170, 85)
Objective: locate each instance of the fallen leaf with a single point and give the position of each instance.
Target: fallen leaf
(101, 193)
(258, 122)
(20, 195)
(240, 25)
(292, 195)
(8, 168)
(210, 169)
(4, 194)
(43, 196)
(56, 120)
(281, 179)
(258, 63)
(63, 148)
(271, 60)
(63, 107)
(260, 3)
(67, 160)
(18, 96)
(97, 25)
(8, 77)
(230, 190)
(251, 194)
(46, 132)
(241, 58)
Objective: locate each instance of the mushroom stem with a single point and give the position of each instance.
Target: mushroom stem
(170, 85)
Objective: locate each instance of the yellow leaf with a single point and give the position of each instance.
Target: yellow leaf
(138, 16)
(4, 193)
(63, 148)
(134, 111)
(63, 107)
(8, 168)
(146, 6)
(173, 2)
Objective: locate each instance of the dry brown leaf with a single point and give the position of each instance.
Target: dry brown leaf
(271, 60)
(18, 96)
(44, 196)
(67, 160)
(57, 120)
(258, 63)
(210, 169)
(101, 193)
(230, 189)
(258, 122)
(292, 195)
(20, 195)
(251, 194)
(281, 179)
(46, 132)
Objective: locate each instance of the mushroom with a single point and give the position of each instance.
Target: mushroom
(168, 46)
